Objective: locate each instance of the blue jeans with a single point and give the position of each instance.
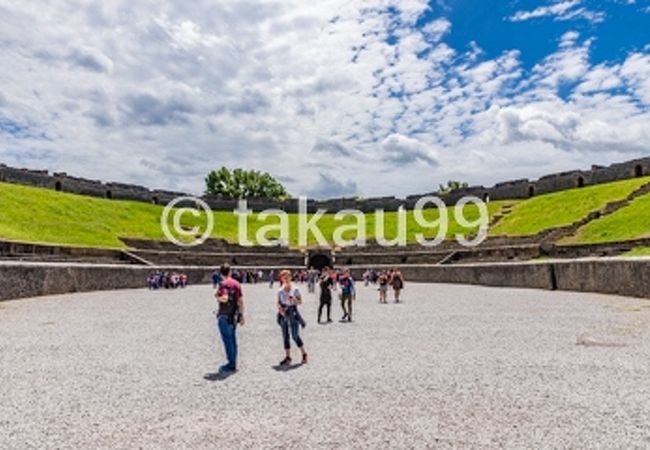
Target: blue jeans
(290, 325)
(229, 338)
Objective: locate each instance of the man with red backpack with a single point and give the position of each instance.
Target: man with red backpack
(230, 314)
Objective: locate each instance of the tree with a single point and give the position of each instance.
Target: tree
(240, 183)
(452, 186)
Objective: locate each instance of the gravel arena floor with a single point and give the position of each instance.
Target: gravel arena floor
(454, 366)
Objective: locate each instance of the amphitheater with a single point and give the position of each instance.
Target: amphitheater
(540, 260)
(523, 341)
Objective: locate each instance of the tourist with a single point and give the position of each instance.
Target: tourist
(167, 280)
(397, 281)
(230, 314)
(312, 275)
(346, 282)
(374, 276)
(383, 287)
(271, 278)
(152, 281)
(216, 278)
(237, 275)
(174, 280)
(326, 286)
(288, 316)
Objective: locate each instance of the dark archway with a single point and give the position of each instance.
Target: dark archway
(581, 182)
(638, 170)
(155, 200)
(486, 197)
(319, 261)
(109, 194)
(531, 191)
(57, 186)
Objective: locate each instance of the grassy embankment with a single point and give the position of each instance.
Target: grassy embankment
(563, 208)
(46, 216)
(42, 215)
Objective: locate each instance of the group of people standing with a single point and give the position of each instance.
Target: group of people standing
(243, 276)
(395, 280)
(309, 276)
(328, 281)
(230, 313)
(166, 280)
(392, 278)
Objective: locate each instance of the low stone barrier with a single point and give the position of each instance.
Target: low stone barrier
(619, 276)
(520, 275)
(20, 280)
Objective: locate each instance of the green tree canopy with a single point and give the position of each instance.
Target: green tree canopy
(452, 186)
(240, 183)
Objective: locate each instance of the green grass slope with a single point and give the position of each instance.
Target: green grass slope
(42, 215)
(630, 222)
(563, 208)
(46, 216)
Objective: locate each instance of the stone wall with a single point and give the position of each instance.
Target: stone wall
(20, 280)
(518, 275)
(183, 258)
(618, 276)
(521, 188)
(622, 276)
(27, 251)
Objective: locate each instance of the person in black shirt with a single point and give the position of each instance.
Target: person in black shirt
(326, 286)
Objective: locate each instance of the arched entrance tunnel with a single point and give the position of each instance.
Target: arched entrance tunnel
(319, 260)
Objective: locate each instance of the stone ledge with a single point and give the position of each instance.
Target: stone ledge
(617, 276)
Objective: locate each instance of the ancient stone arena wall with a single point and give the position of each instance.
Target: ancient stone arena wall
(20, 280)
(628, 277)
(522, 188)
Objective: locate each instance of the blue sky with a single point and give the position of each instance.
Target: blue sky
(621, 28)
(335, 97)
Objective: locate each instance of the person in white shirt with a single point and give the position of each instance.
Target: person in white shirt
(288, 316)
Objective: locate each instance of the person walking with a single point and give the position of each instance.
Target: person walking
(366, 278)
(271, 278)
(397, 281)
(326, 286)
(230, 314)
(312, 276)
(383, 287)
(346, 282)
(289, 318)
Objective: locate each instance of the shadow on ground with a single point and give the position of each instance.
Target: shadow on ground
(218, 376)
(286, 367)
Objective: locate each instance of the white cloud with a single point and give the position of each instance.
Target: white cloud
(561, 11)
(158, 93)
(636, 71)
(436, 29)
(400, 150)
